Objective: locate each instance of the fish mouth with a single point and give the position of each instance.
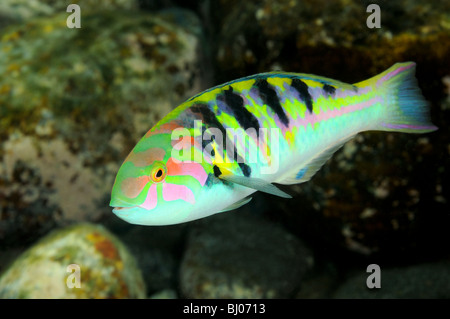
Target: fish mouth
(123, 211)
(122, 207)
(131, 214)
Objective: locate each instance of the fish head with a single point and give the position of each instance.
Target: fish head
(154, 186)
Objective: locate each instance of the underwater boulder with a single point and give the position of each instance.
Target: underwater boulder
(236, 255)
(80, 261)
(75, 101)
(419, 281)
(18, 11)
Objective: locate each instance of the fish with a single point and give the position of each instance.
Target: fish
(212, 152)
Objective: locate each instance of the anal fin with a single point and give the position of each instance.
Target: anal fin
(304, 172)
(238, 204)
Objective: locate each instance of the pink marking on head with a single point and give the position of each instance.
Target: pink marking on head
(151, 199)
(132, 186)
(142, 159)
(174, 191)
(164, 128)
(193, 169)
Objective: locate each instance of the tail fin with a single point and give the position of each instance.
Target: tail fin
(406, 110)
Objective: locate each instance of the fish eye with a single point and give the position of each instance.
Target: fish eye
(158, 173)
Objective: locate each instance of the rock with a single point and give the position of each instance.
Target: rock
(158, 251)
(233, 255)
(318, 285)
(328, 38)
(68, 120)
(428, 280)
(19, 11)
(164, 294)
(383, 193)
(107, 269)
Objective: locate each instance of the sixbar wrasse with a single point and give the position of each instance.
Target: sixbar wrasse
(213, 151)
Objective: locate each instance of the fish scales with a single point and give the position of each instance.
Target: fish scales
(213, 151)
(269, 101)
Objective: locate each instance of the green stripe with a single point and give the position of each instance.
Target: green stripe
(192, 183)
(159, 193)
(162, 140)
(140, 199)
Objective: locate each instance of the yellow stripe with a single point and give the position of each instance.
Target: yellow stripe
(312, 83)
(279, 82)
(241, 86)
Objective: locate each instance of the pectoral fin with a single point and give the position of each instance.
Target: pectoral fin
(255, 183)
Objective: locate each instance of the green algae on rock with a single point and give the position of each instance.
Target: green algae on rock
(107, 269)
(19, 11)
(327, 37)
(73, 102)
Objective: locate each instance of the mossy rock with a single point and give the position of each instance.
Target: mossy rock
(49, 268)
(19, 11)
(329, 38)
(75, 101)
